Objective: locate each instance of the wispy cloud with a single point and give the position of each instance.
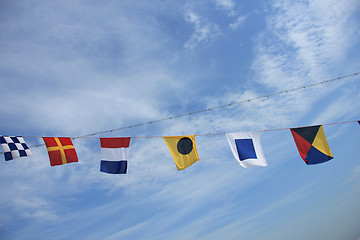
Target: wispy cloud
(204, 30)
(343, 107)
(302, 43)
(227, 5)
(314, 36)
(238, 23)
(68, 78)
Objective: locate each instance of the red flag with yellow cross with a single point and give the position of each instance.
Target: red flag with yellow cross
(61, 150)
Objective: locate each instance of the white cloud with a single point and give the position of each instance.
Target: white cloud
(226, 4)
(302, 44)
(204, 32)
(238, 23)
(65, 72)
(340, 108)
(314, 36)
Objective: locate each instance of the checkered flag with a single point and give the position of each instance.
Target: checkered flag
(14, 147)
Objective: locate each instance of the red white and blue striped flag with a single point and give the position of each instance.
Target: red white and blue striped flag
(114, 153)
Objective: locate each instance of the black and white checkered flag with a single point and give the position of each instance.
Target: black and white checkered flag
(14, 147)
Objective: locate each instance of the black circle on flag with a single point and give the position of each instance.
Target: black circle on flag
(185, 146)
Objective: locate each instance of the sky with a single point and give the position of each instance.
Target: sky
(72, 68)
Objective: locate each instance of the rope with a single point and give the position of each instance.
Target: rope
(220, 106)
(91, 135)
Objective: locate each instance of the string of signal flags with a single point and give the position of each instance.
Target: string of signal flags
(245, 146)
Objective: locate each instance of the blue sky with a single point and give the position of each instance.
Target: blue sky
(69, 68)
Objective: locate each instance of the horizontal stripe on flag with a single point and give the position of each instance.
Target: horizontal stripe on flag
(115, 142)
(113, 167)
(114, 154)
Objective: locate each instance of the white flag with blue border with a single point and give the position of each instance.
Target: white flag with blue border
(246, 148)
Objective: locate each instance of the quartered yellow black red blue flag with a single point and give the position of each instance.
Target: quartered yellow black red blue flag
(312, 144)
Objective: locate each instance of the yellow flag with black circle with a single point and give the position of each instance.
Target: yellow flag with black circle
(183, 149)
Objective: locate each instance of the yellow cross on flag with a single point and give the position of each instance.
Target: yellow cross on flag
(61, 150)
